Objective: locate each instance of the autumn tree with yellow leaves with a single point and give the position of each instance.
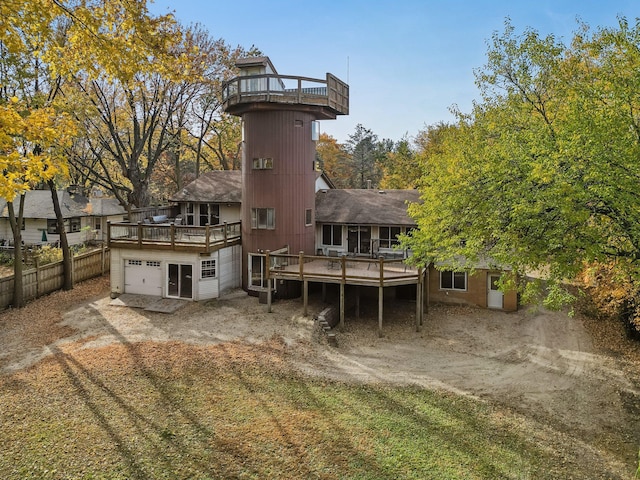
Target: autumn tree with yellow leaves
(91, 38)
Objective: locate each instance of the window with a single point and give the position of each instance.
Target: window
(453, 280)
(52, 225)
(209, 214)
(98, 223)
(263, 218)
(208, 269)
(307, 217)
(389, 236)
(262, 163)
(134, 262)
(74, 224)
(153, 263)
(189, 214)
(332, 235)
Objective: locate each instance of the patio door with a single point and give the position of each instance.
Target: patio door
(494, 295)
(180, 280)
(359, 239)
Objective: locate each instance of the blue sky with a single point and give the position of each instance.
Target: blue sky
(406, 61)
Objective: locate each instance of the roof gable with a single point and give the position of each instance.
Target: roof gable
(38, 204)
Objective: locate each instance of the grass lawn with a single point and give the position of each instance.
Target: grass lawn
(153, 411)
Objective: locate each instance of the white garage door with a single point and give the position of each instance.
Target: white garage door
(143, 277)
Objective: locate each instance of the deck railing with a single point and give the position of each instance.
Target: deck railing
(331, 92)
(170, 236)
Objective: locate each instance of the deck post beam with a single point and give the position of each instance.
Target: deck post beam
(342, 305)
(305, 297)
(381, 297)
(267, 264)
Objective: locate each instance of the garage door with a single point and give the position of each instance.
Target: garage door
(143, 277)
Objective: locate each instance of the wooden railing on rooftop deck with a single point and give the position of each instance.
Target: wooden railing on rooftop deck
(331, 92)
(170, 236)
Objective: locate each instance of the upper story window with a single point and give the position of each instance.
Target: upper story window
(263, 163)
(308, 217)
(209, 214)
(389, 236)
(332, 235)
(263, 218)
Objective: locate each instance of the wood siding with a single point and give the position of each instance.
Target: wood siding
(288, 187)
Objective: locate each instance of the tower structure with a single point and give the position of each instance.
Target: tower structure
(280, 126)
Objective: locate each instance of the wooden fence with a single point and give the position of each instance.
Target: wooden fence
(45, 279)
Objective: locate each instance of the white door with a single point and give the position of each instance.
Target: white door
(143, 277)
(494, 296)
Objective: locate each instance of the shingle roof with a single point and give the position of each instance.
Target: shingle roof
(365, 207)
(219, 186)
(38, 204)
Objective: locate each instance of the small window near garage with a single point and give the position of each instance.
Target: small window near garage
(450, 280)
(134, 262)
(208, 269)
(262, 163)
(307, 217)
(153, 263)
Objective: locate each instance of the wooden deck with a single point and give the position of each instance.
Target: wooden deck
(345, 270)
(168, 236)
(330, 95)
(348, 270)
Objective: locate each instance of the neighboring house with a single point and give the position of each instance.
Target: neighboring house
(85, 218)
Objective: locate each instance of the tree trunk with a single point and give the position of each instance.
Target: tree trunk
(16, 225)
(64, 244)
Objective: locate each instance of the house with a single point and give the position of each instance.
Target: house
(85, 217)
(277, 226)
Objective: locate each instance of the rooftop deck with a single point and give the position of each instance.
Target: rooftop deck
(168, 236)
(329, 97)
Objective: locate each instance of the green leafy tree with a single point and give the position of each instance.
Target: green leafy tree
(542, 174)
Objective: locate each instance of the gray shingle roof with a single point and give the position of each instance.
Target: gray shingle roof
(220, 186)
(38, 204)
(365, 207)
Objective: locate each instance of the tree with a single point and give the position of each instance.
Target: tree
(63, 38)
(364, 155)
(333, 160)
(31, 141)
(543, 174)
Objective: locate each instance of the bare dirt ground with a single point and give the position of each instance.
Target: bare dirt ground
(576, 378)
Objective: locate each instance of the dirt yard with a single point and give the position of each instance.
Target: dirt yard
(575, 378)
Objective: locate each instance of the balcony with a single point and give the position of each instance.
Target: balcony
(168, 236)
(328, 98)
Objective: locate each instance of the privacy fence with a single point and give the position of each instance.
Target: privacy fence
(44, 279)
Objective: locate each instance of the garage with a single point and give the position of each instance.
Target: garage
(143, 277)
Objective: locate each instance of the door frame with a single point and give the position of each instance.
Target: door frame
(493, 293)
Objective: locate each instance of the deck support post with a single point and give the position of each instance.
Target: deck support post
(419, 301)
(380, 309)
(358, 302)
(267, 263)
(324, 292)
(381, 297)
(305, 297)
(341, 305)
